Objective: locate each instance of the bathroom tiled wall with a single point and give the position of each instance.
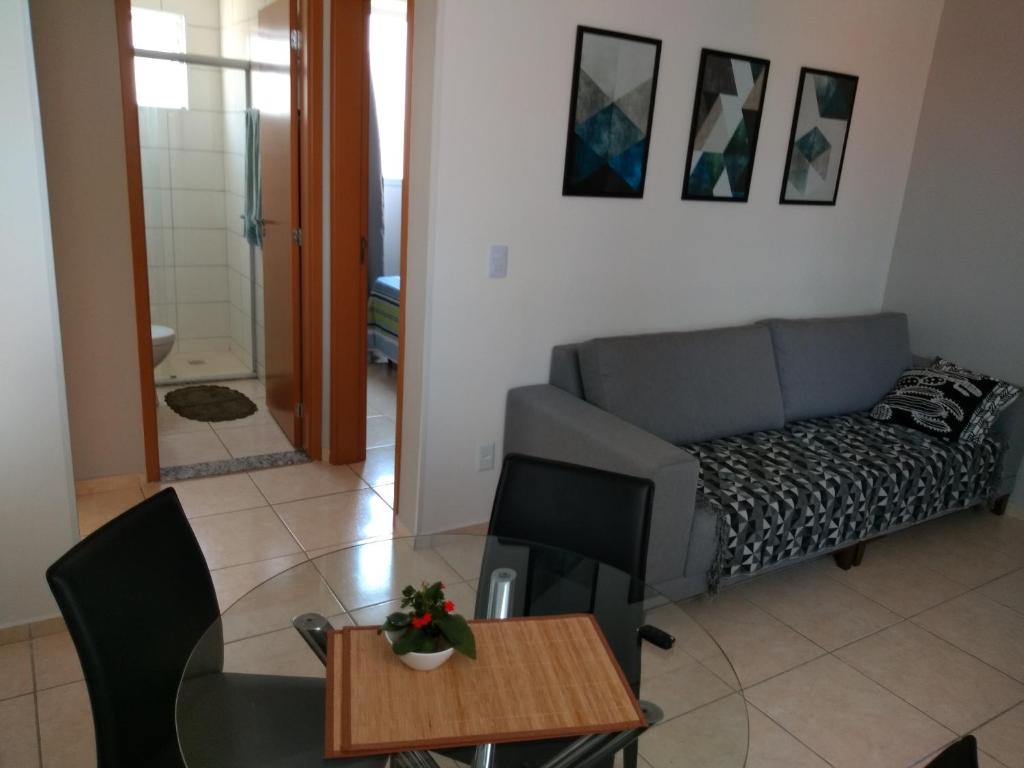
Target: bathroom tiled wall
(238, 24)
(192, 168)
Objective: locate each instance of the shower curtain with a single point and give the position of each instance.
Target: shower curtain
(375, 212)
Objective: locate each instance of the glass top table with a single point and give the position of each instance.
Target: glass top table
(253, 691)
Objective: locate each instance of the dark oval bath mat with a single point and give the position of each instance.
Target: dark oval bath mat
(209, 402)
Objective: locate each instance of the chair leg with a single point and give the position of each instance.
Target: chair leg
(998, 506)
(848, 557)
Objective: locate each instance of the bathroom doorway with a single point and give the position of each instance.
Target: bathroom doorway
(216, 93)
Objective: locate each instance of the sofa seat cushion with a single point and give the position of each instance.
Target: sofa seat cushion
(820, 484)
(686, 387)
(838, 365)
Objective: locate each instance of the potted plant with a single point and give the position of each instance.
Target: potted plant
(428, 632)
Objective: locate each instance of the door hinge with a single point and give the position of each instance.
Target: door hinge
(299, 410)
(362, 250)
(296, 38)
(297, 236)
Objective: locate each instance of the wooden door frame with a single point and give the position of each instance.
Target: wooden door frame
(350, 73)
(310, 192)
(349, 205)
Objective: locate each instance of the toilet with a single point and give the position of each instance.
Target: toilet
(163, 340)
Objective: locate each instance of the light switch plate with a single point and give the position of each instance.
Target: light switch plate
(485, 457)
(497, 261)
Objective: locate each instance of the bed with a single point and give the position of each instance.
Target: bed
(382, 317)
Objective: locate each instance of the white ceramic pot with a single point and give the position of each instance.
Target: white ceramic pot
(422, 662)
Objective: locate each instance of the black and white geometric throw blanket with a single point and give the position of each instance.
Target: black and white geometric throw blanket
(818, 484)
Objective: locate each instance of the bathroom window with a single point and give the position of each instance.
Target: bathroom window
(159, 83)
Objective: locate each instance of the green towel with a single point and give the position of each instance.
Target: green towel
(253, 216)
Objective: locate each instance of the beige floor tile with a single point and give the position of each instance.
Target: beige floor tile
(255, 440)
(903, 587)
(962, 550)
(341, 518)
(942, 681)
(821, 609)
(379, 466)
(847, 718)
(465, 554)
(714, 735)
(381, 386)
(19, 741)
(386, 492)
(98, 509)
(45, 627)
(1008, 590)
(683, 689)
(986, 760)
(758, 645)
(274, 604)
(65, 727)
(380, 431)
(213, 495)
(15, 669)
(1003, 738)
(692, 641)
(771, 746)
(191, 448)
(261, 416)
(983, 628)
(170, 423)
(233, 582)
(252, 388)
(377, 572)
(463, 595)
(15, 634)
(55, 660)
(305, 481)
(247, 536)
(277, 653)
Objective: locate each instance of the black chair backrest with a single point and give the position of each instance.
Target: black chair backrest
(136, 596)
(959, 754)
(601, 515)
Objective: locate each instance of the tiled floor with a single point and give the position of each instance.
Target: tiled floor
(200, 365)
(184, 441)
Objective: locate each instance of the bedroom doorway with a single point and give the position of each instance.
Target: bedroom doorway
(370, 44)
(385, 168)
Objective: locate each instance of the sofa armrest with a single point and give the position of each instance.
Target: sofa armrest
(1009, 430)
(549, 422)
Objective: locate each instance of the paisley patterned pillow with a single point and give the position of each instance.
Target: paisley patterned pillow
(946, 401)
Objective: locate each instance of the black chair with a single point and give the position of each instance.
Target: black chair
(603, 516)
(959, 754)
(136, 596)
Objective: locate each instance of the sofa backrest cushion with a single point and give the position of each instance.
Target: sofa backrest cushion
(832, 366)
(565, 369)
(686, 387)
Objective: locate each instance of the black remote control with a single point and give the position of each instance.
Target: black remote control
(655, 636)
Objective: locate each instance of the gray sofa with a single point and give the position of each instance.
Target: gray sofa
(678, 407)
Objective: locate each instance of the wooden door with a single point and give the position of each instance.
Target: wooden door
(275, 95)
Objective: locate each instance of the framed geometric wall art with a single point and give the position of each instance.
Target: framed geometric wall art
(615, 77)
(726, 121)
(817, 142)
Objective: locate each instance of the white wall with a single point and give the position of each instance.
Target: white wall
(36, 488)
(957, 265)
(584, 267)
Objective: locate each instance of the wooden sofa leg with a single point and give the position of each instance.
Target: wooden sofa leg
(848, 557)
(998, 506)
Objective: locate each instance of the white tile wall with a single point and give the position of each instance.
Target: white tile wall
(152, 127)
(156, 204)
(238, 254)
(191, 170)
(204, 88)
(201, 284)
(198, 209)
(159, 247)
(161, 285)
(156, 168)
(200, 247)
(195, 129)
(205, 13)
(202, 40)
(203, 321)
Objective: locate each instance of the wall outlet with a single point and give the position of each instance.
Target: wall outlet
(485, 457)
(497, 261)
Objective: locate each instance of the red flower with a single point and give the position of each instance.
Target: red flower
(418, 622)
(449, 606)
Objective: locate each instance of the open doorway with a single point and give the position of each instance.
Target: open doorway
(387, 43)
(217, 87)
